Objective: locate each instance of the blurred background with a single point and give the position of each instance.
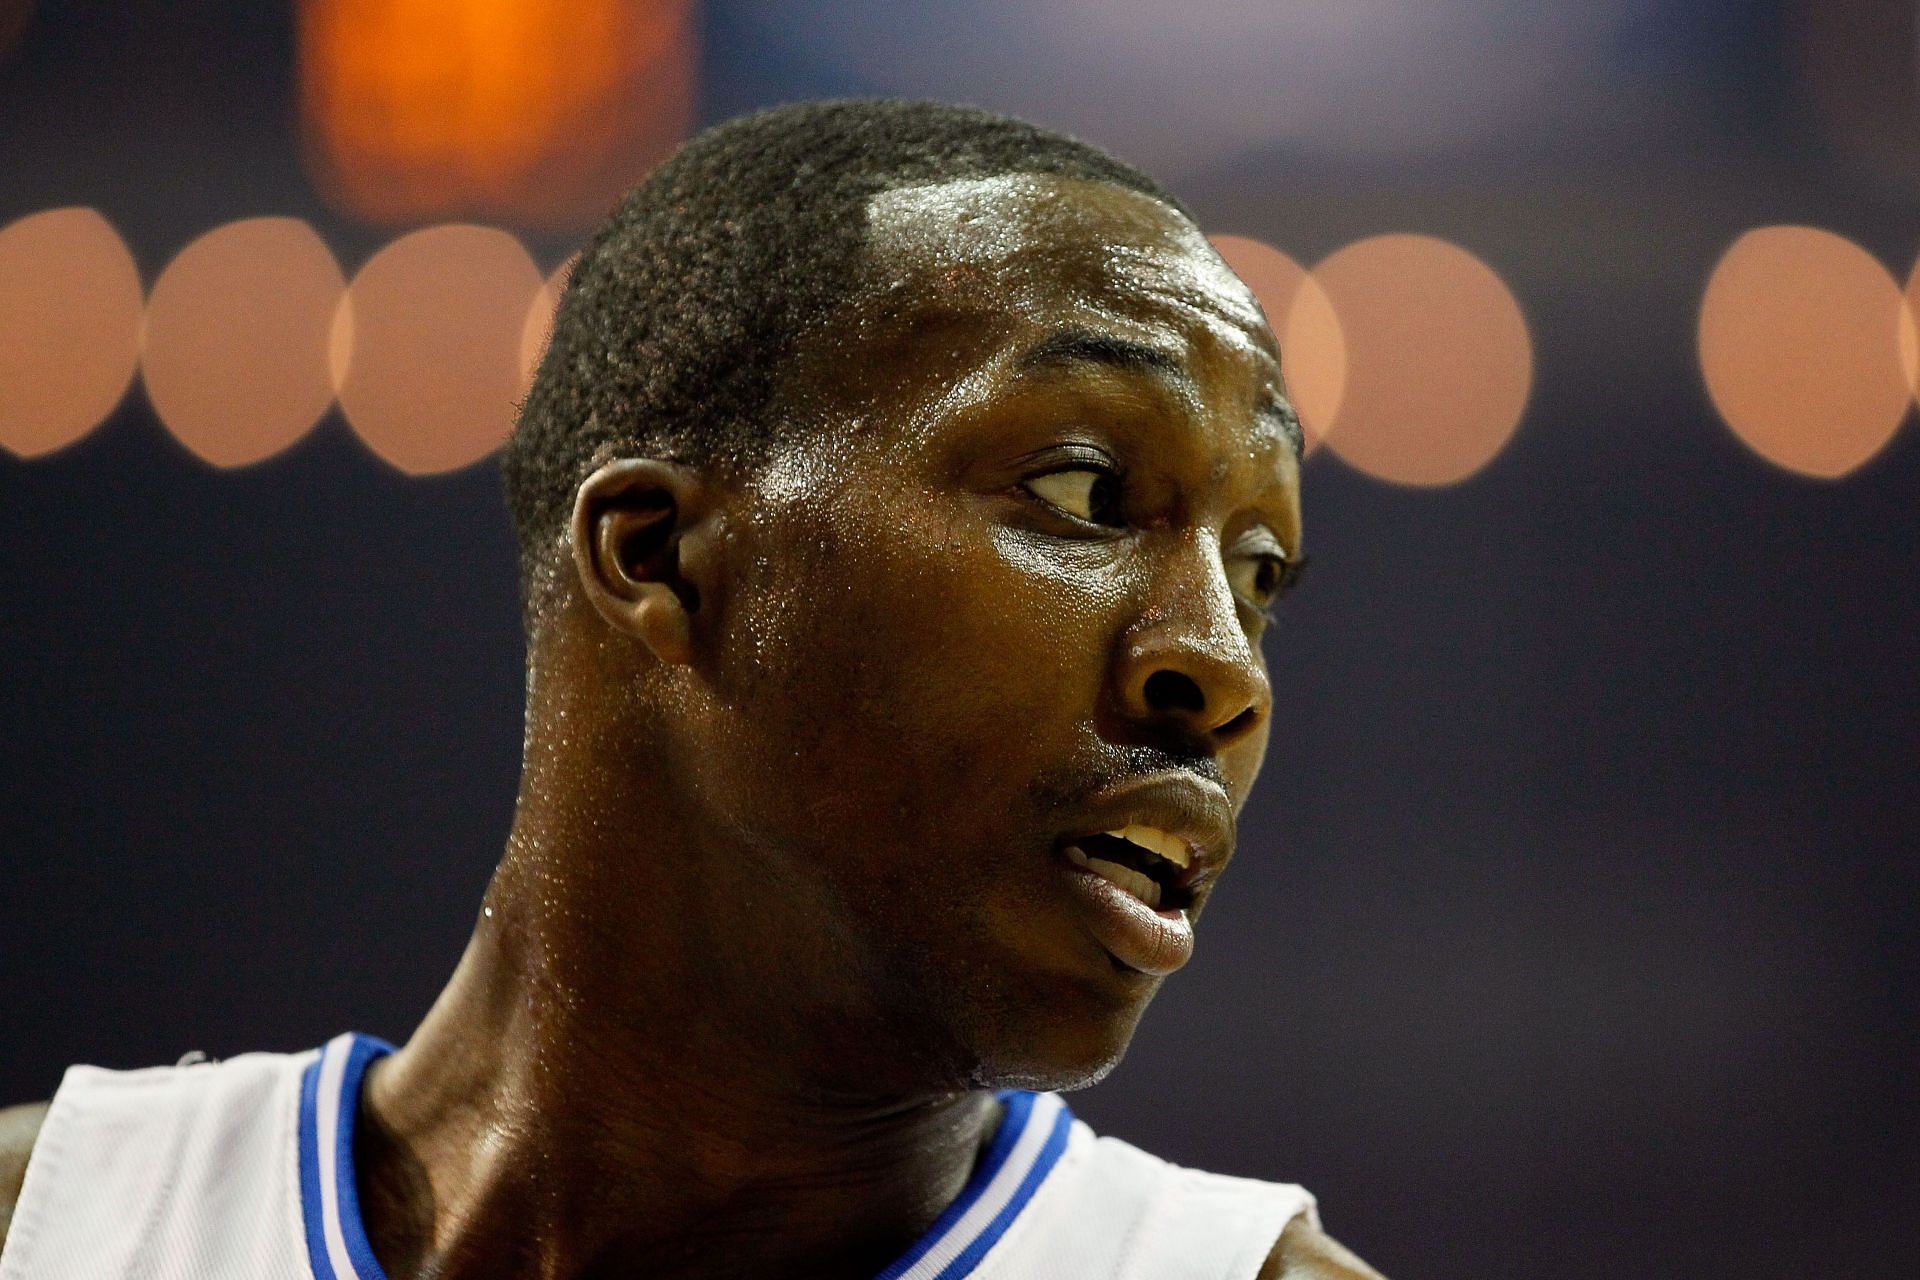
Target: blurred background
(1576, 930)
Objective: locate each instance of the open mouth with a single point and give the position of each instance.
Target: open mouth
(1146, 862)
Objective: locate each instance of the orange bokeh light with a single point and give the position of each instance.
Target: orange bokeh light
(1439, 361)
(235, 353)
(426, 346)
(70, 309)
(1313, 350)
(1800, 344)
(535, 111)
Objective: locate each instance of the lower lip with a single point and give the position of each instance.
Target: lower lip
(1149, 941)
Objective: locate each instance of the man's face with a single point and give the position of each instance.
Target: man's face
(1004, 593)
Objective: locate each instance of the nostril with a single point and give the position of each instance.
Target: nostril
(1172, 691)
(1239, 724)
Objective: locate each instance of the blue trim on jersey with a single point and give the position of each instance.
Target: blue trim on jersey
(1013, 1123)
(361, 1052)
(310, 1211)
(365, 1050)
(969, 1257)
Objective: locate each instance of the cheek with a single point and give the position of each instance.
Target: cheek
(989, 638)
(924, 663)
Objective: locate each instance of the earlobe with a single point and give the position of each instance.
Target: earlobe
(630, 520)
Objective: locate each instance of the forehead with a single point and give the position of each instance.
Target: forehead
(976, 288)
(1029, 246)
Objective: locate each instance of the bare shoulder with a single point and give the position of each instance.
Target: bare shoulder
(19, 1126)
(1305, 1252)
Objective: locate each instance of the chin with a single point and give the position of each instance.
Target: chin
(1053, 1045)
(1014, 1007)
(1057, 1078)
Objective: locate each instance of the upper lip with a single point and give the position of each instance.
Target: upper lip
(1195, 810)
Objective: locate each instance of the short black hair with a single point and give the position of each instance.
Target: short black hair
(685, 304)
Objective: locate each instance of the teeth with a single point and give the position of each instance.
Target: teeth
(1126, 877)
(1164, 843)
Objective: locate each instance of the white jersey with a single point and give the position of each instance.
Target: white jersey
(243, 1170)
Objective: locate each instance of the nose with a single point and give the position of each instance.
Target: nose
(1188, 664)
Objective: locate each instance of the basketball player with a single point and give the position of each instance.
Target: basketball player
(900, 501)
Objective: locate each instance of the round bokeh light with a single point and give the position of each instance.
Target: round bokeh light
(539, 323)
(1439, 360)
(1800, 345)
(235, 352)
(427, 346)
(70, 307)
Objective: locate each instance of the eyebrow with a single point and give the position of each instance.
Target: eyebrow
(1282, 414)
(1082, 346)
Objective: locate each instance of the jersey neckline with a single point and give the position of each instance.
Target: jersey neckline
(1033, 1132)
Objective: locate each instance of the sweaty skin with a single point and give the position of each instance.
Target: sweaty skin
(784, 895)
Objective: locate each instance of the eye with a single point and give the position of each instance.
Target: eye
(1261, 578)
(1083, 493)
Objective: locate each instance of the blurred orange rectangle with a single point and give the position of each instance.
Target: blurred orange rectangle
(531, 112)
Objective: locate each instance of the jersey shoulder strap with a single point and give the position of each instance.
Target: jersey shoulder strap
(243, 1170)
(188, 1171)
(1113, 1211)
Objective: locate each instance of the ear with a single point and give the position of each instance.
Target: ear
(640, 532)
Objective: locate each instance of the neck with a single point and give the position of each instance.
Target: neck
(560, 1114)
